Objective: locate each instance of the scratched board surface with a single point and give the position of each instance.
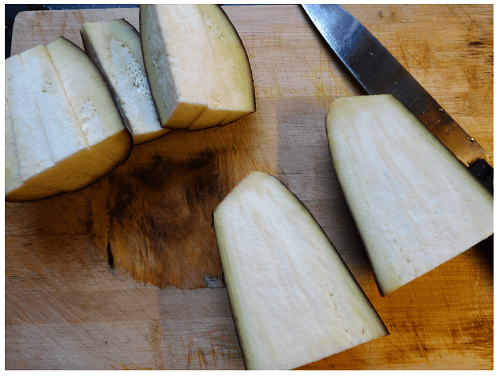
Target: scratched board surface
(126, 274)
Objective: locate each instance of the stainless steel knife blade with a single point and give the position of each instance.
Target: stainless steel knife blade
(379, 72)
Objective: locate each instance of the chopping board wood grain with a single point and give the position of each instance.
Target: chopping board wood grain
(126, 274)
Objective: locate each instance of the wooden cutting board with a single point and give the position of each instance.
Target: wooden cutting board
(126, 274)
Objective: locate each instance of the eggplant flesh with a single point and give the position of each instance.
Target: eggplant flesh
(415, 204)
(62, 130)
(293, 299)
(196, 65)
(115, 48)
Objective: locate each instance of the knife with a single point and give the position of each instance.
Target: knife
(380, 73)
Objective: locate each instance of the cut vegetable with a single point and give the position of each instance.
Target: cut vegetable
(189, 87)
(92, 102)
(64, 136)
(232, 61)
(416, 206)
(212, 83)
(172, 72)
(16, 188)
(49, 150)
(292, 297)
(115, 48)
(27, 139)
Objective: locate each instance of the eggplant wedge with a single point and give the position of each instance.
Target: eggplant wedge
(293, 299)
(415, 204)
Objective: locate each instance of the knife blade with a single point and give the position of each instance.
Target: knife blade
(379, 72)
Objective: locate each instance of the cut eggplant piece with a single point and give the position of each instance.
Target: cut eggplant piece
(64, 135)
(232, 60)
(415, 204)
(16, 189)
(186, 73)
(28, 138)
(219, 102)
(115, 48)
(92, 102)
(173, 73)
(49, 149)
(293, 299)
(40, 161)
(13, 179)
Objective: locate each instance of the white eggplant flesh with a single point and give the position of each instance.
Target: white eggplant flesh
(198, 78)
(115, 48)
(92, 102)
(56, 141)
(293, 299)
(232, 61)
(65, 138)
(16, 188)
(415, 204)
